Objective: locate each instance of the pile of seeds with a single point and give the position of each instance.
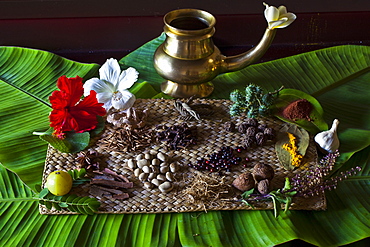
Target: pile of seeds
(254, 133)
(218, 161)
(154, 170)
(177, 136)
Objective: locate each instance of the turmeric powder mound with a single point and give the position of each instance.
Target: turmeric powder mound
(292, 148)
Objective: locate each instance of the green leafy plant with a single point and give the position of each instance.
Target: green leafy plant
(83, 205)
(253, 101)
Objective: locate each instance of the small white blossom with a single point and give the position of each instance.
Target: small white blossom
(278, 17)
(112, 87)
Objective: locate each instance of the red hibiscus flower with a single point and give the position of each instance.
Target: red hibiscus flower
(69, 111)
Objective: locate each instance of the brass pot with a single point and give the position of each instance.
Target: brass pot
(189, 60)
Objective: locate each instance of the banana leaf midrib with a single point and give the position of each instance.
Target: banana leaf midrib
(341, 82)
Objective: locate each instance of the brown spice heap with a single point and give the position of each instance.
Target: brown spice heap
(177, 136)
(207, 189)
(91, 160)
(299, 109)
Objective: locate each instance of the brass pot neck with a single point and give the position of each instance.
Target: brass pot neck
(189, 33)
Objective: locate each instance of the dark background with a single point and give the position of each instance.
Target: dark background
(92, 31)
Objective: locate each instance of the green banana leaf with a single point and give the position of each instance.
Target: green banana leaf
(338, 77)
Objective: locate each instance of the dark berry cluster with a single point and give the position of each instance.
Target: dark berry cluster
(222, 160)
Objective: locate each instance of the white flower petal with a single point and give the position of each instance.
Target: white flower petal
(282, 10)
(271, 13)
(123, 100)
(104, 97)
(278, 24)
(99, 86)
(110, 71)
(291, 17)
(127, 78)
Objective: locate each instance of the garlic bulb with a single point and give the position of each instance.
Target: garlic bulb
(328, 140)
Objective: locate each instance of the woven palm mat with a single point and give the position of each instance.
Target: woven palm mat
(211, 136)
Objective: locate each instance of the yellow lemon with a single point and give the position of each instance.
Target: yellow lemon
(59, 183)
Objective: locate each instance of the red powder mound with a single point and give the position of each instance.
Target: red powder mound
(299, 109)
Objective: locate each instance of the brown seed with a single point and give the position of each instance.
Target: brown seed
(263, 171)
(244, 182)
(263, 186)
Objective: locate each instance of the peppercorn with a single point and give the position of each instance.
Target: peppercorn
(263, 171)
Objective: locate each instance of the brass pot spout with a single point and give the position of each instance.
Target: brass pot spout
(189, 60)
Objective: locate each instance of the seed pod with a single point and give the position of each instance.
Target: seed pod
(242, 128)
(269, 133)
(249, 141)
(164, 169)
(131, 164)
(165, 187)
(260, 139)
(161, 177)
(148, 185)
(263, 186)
(143, 162)
(154, 169)
(152, 175)
(251, 122)
(156, 162)
(155, 182)
(143, 177)
(140, 157)
(163, 164)
(251, 131)
(137, 172)
(263, 171)
(173, 167)
(244, 182)
(262, 127)
(146, 169)
(170, 177)
(229, 126)
(161, 156)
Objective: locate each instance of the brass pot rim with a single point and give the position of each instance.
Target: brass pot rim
(207, 17)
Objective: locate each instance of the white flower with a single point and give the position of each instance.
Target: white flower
(112, 87)
(278, 17)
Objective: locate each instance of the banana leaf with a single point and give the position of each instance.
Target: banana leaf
(338, 77)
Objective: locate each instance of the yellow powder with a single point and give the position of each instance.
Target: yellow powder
(292, 148)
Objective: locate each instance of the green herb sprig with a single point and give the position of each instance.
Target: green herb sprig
(309, 183)
(253, 101)
(73, 203)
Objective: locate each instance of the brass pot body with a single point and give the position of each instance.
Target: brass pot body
(188, 58)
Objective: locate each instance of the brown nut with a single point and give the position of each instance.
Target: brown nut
(263, 171)
(244, 182)
(263, 186)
